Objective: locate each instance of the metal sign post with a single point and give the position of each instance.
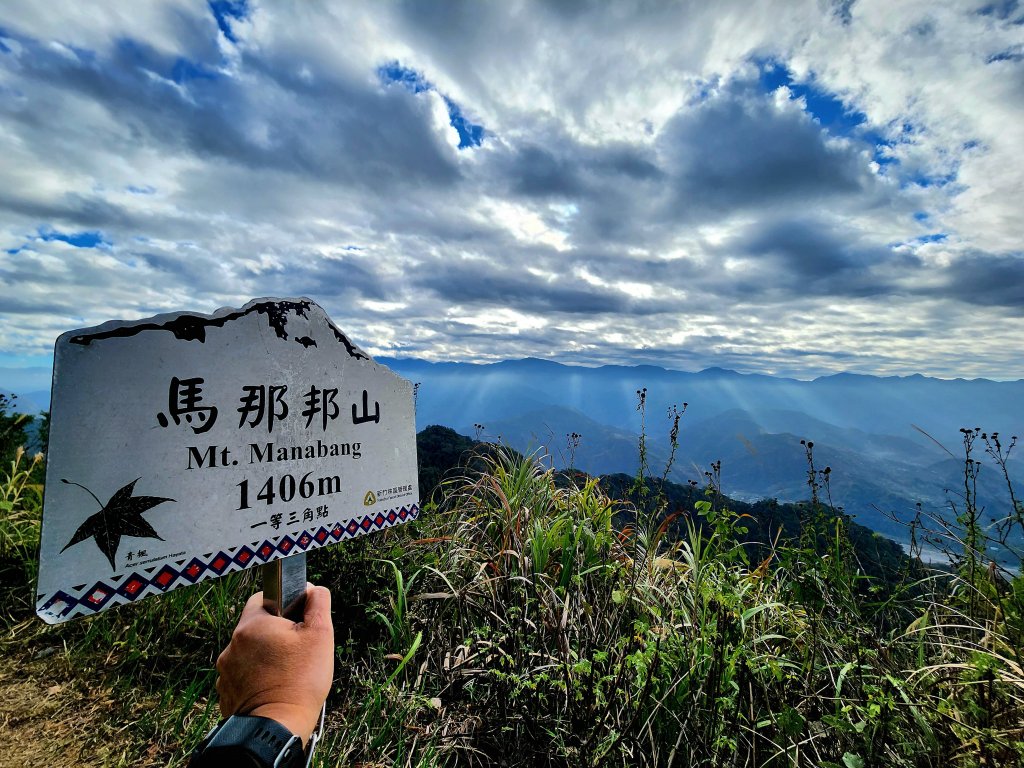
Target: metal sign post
(284, 587)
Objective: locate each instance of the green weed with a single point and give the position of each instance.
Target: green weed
(533, 619)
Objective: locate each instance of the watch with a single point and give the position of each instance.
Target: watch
(250, 742)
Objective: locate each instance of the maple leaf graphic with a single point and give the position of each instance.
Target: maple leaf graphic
(121, 516)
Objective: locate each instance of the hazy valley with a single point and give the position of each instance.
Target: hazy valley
(880, 436)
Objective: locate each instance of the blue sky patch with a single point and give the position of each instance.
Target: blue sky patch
(1002, 9)
(929, 180)
(470, 134)
(90, 239)
(828, 110)
(882, 157)
(179, 70)
(184, 70)
(410, 79)
(1010, 55)
(224, 10)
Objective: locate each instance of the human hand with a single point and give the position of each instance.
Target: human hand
(279, 669)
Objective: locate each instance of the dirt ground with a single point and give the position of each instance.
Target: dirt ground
(48, 717)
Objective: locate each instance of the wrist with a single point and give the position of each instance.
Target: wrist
(295, 718)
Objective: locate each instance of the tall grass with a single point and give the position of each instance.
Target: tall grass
(518, 625)
(20, 504)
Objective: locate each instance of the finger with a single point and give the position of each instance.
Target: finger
(318, 607)
(253, 607)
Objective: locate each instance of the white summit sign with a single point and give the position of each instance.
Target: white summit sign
(187, 446)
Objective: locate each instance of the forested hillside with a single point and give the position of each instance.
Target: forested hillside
(443, 452)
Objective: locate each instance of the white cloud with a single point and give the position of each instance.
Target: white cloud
(637, 186)
(523, 223)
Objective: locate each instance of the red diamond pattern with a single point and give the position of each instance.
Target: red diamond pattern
(219, 563)
(100, 594)
(132, 586)
(165, 577)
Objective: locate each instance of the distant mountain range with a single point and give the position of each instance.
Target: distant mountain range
(880, 435)
(29, 402)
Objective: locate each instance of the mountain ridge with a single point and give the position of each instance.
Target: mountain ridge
(880, 435)
(413, 361)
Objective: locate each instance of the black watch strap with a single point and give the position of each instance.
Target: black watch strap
(245, 741)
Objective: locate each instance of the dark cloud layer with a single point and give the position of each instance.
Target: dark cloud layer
(812, 257)
(986, 280)
(487, 284)
(738, 150)
(333, 128)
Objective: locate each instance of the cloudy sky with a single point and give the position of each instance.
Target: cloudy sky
(795, 188)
